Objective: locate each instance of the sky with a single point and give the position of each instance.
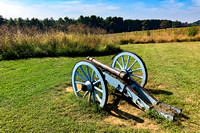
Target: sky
(181, 10)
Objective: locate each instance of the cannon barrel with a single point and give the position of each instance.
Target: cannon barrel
(116, 72)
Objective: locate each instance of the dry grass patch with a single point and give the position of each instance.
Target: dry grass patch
(154, 36)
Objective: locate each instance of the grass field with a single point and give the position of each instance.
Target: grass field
(33, 95)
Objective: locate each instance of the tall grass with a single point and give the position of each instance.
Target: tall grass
(22, 45)
(18, 43)
(156, 36)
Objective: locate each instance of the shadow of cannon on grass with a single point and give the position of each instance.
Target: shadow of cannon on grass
(156, 92)
(117, 108)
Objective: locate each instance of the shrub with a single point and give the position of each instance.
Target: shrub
(126, 41)
(192, 31)
(148, 33)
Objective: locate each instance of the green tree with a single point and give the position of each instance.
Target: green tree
(11, 22)
(176, 24)
(67, 21)
(61, 21)
(197, 22)
(145, 25)
(2, 20)
(165, 24)
(36, 22)
(20, 22)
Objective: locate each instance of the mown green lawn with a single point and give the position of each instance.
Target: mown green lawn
(33, 97)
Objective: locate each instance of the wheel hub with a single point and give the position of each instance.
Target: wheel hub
(87, 86)
(124, 70)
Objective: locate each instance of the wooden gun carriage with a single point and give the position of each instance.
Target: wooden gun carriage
(128, 75)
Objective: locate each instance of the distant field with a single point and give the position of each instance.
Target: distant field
(34, 98)
(188, 34)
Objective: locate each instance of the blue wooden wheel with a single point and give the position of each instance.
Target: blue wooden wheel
(133, 65)
(88, 82)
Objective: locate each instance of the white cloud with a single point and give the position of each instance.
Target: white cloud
(196, 2)
(72, 9)
(171, 4)
(166, 9)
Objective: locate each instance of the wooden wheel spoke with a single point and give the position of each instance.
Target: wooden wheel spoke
(119, 64)
(93, 97)
(88, 72)
(84, 73)
(136, 76)
(96, 82)
(78, 82)
(123, 63)
(127, 62)
(78, 91)
(97, 96)
(85, 94)
(89, 97)
(98, 89)
(135, 70)
(81, 76)
(132, 65)
(92, 77)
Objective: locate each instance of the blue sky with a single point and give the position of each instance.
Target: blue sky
(182, 10)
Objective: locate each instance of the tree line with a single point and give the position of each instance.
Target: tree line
(109, 24)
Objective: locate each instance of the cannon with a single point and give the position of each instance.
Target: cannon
(128, 74)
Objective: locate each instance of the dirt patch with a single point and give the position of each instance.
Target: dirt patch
(189, 100)
(161, 86)
(70, 88)
(123, 112)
